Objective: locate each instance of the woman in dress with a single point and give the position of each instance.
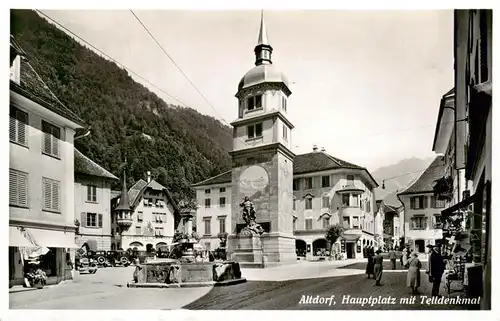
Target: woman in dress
(369, 265)
(378, 267)
(413, 276)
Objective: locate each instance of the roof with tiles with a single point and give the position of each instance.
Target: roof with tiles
(86, 166)
(34, 88)
(425, 183)
(302, 164)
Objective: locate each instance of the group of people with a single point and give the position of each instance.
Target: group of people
(410, 261)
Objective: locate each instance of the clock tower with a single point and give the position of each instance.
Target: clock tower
(262, 162)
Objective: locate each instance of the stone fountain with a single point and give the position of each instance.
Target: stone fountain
(186, 271)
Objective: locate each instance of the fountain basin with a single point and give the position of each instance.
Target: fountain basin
(166, 273)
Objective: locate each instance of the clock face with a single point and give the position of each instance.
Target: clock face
(254, 179)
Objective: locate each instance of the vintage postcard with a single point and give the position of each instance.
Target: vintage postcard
(250, 160)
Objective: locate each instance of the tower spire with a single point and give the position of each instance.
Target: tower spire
(263, 31)
(263, 50)
(124, 204)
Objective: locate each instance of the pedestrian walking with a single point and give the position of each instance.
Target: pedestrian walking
(413, 276)
(435, 268)
(392, 257)
(378, 267)
(370, 263)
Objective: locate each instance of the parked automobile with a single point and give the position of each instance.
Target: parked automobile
(86, 265)
(118, 258)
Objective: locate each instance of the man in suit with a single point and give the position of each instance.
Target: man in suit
(435, 269)
(392, 257)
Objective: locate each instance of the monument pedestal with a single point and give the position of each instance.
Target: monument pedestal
(267, 250)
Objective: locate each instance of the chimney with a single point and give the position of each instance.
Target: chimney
(149, 176)
(315, 148)
(323, 149)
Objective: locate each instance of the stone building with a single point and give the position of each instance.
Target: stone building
(41, 174)
(92, 203)
(295, 196)
(143, 217)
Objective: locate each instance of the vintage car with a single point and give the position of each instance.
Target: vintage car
(100, 257)
(118, 258)
(86, 265)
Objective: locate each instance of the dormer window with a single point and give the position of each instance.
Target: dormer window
(254, 102)
(254, 130)
(283, 103)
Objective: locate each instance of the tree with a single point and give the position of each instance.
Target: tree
(333, 233)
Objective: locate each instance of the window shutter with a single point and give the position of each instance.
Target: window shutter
(56, 196)
(13, 188)
(433, 201)
(47, 194)
(21, 131)
(22, 188)
(412, 203)
(47, 148)
(83, 219)
(12, 128)
(99, 221)
(424, 202)
(55, 146)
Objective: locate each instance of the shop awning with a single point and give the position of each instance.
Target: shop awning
(51, 238)
(17, 238)
(464, 203)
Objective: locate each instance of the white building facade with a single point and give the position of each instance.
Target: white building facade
(41, 175)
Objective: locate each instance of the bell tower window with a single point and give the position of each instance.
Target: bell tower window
(254, 102)
(254, 130)
(283, 103)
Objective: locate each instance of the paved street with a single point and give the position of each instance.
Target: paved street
(266, 289)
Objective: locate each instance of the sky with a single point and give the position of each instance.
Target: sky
(366, 85)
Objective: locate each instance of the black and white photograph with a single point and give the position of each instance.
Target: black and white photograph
(250, 159)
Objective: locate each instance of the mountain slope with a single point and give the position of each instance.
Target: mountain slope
(179, 145)
(398, 176)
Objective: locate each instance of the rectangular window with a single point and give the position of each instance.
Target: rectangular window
(222, 190)
(91, 193)
(308, 182)
(325, 201)
(222, 225)
(51, 137)
(355, 222)
(326, 222)
(159, 231)
(309, 223)
(254, 131)
(325, 181)
(345, 200)
(18, 126)
(417, 202)
(355, 201)
(345, 221)
(254, 102)
(139, 216)
(440, 204)
(285, 132)
(138, 230)
(51, 193)
(419, 223)
(296, 184)
(207, 202)
(91, 220)
(350, 180)
(283, 103)
(207, 191)
(309, 203)
(436, 221)
(207, 227)
(18, 188)
(222, 202)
